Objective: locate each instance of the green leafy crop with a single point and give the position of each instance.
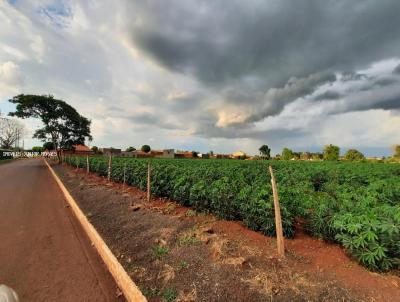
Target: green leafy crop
(356, 204)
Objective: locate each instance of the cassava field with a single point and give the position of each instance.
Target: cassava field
(354, 204)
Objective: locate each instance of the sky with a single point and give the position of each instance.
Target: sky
(221, 75)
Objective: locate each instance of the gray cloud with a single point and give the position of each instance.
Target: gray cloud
(247, 54)
(353, 76)
(386, 97)
(222, 40)
(327, 95)
(149, 119)
(385, 81)
(397, 70)
(277, 98)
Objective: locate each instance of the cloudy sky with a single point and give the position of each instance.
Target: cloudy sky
(220, 75)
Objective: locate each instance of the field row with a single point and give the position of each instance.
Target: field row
(355, 204)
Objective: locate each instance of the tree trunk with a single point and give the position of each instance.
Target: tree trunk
(59, 156)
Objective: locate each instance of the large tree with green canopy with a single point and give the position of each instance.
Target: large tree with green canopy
(62, 124)
(287, 154)
(353, 154)
(265, 151)
(331, 152)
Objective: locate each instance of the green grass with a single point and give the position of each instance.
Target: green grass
(150, 292)
(159, 251)
(190, 213)
(183, 265)
(170, 294)
(188, 239)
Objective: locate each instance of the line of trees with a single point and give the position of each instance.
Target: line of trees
(329, 153)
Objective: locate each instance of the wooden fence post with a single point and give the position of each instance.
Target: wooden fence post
(87, 164)
(123, 183)
(109, 168)
(148, 182)
(77, 162)
(278, 220)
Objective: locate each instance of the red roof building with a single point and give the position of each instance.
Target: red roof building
(79, 150)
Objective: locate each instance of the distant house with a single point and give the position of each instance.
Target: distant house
(79, 150)
(168, 153)
(156, 153)
(185, 154)
(238, 154)
(204, 155)
(127, 154)
(142, 154)
(221, 156)
(110, 151)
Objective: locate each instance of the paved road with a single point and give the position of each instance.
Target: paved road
(44, 254)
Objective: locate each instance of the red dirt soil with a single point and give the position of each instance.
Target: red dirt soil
(317, 256)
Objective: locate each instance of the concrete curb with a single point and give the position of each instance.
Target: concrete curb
(125, 283)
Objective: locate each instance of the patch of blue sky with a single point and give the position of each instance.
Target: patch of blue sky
(58, 13)
(6, 107)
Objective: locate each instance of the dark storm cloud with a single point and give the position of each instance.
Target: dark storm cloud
(385, 95)
(208, 129)
(327, 95)
(397, 70)
(277, 98)
(385, 81)
(353, 76)
(243, 50)
(390, 104)
(386, 104)
(152, 120)
(222, 40)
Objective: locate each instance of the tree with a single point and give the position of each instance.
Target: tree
(317, 156)
(305, 155)
(96, 150)
(11, 131)
(265, 151)
(331, 152)
(353, 154)
(296, 155)
(195, 154)
(287, 154)
(396, 150)
(146, 148)
(62, 124)
(37, 149)
(48, 146)
(130, 149)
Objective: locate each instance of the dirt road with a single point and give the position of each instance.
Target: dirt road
(44, 254)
